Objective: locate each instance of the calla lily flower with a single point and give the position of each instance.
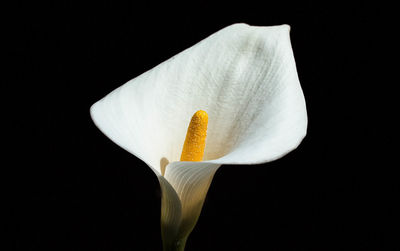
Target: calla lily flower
(245, 78)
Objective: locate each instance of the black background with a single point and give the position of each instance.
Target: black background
(68, 187)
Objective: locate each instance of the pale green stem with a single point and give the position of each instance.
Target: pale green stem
(177, 246)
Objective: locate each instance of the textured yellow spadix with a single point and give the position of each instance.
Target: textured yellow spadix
(195, 142)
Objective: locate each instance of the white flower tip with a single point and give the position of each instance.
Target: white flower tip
(284, 27)
(99, 116)
(96, 117)
(92, 112)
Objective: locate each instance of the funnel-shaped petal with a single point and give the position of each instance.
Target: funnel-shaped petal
(245, 78)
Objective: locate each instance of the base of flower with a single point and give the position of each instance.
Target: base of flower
(179, 245)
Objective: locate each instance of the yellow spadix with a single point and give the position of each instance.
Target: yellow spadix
(195, 142)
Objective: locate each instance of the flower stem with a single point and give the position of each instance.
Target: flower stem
(179, 245)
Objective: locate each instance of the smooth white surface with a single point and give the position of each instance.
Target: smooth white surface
(244, 77)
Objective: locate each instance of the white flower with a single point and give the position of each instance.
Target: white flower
(245, 78)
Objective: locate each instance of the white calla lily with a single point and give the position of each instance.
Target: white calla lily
(245, 78)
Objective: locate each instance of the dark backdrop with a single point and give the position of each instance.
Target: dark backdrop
(68, 187)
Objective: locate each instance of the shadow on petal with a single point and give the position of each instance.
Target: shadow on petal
(171, 213)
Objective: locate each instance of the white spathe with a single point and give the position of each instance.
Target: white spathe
(245, 78)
